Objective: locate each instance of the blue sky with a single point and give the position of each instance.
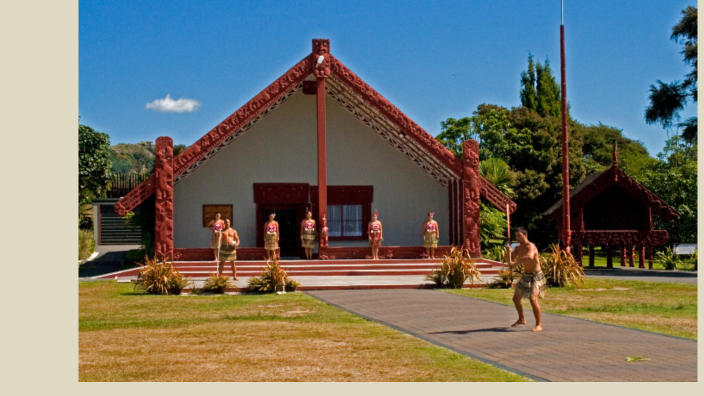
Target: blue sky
(433, 60)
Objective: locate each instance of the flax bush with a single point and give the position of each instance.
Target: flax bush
(668, 260)
(160, 277)
(455, 269)
(217, 283)
(272, 279)
(561, 269)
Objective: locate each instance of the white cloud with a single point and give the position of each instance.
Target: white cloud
(167, 104)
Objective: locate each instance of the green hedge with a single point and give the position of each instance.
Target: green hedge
(86, 244)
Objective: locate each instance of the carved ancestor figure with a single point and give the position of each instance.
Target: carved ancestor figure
(324, 232)
(376, 235)
(271, 237)
(216, 225)
(431, 235)
(471, 207)
(308, 234)
(228, 244)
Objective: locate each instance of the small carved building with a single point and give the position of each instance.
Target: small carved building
(318, 138)
(611, 210)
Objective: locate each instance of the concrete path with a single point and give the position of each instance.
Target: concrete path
(640, 274)
(569, 349)
(109, 259)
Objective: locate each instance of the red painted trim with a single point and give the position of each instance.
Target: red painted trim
(322, 151)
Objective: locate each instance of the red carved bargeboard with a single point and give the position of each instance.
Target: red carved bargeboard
(164, 202)
(472, 197)
(495, 196)
(619, 238)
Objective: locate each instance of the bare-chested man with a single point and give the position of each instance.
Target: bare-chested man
(532, 284)
(228, 242)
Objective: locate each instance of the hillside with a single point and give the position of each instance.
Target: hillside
(136, 157)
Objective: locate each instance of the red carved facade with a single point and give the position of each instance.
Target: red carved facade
(462, 178)
(164, 204)
(472, 197)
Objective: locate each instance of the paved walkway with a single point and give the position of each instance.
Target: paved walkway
(640, 274)
(109, 259)
(569, 349)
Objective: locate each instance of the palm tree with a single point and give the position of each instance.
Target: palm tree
(498, 173)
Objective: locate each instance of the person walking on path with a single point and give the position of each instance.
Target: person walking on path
(228, 245)
(532, 284)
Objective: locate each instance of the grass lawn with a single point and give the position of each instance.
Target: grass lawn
(667, 308)
(126, 336)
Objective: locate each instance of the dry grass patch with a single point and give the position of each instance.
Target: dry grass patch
(667, 308)
(128, 337)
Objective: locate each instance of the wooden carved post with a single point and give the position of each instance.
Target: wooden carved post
(650, 256)
(591, 256)
(470, 206)
(641, 256)
(164, 194)
(623, 256)
(321, 54)
(609, 256)
(631, 256)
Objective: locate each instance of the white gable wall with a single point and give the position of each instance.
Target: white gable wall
(403, 192)
(282, 148)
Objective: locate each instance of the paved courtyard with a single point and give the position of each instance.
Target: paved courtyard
(568, 349)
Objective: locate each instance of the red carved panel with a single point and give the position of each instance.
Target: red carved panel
(280, 193)
(164, 206)
(619, 238)
(321, 47)
(496, 197)
(472, 196)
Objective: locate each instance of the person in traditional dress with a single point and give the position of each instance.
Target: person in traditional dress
(308, 234)
(532, 284)
(271, 236)
(324, 232)
(228, 245)
(376, 235)
(216, 225)
(431, 235)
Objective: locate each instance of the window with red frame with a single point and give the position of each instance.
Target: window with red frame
(345, 221)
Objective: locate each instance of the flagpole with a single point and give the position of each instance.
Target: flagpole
(566, 230)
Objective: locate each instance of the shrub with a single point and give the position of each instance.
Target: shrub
(561, 269)
(160, 278)
(456, 268)
(272, 279)
(695, 257)
(668, 260)
(86, 244)
(217, 283)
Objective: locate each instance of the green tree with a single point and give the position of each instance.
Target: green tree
(674, 179)
(539, 90)
(668, 100)
(94, 173)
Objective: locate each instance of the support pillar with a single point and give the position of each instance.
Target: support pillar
(451, 199)
(609, 256)
(623, 256)
(641, 256)
(164, 198)
(650, 256)
(631, 256)
(578, 254)
(321, 47)
(591, 256)
(470, 207)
